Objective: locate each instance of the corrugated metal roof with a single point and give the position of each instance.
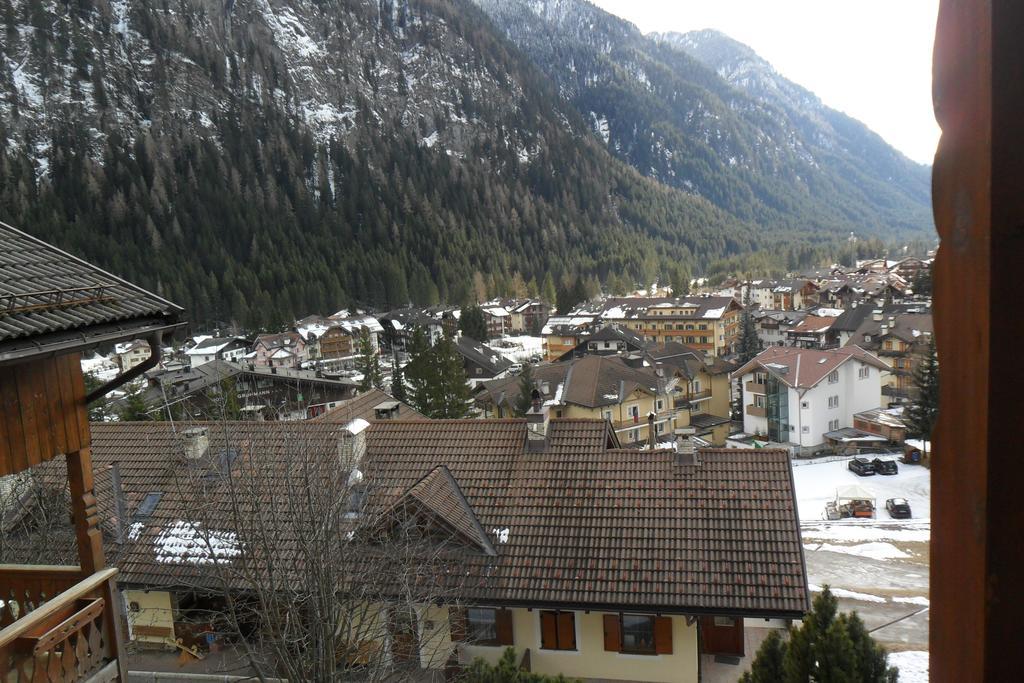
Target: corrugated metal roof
(44, 290)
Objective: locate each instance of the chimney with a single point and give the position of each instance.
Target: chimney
(537, 420)
(684, 453)
(197, 441)
(876, 315)
(651, 436)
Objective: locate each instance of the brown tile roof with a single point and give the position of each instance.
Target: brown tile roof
(802, 368)
(813, 324)
(362, 407)
(596, 527)
(579, 524)
(439, 493)
(594, 381)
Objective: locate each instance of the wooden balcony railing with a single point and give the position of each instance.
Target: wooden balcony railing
(755, 388)
(756, 411)
(685, 400)
(57, 624)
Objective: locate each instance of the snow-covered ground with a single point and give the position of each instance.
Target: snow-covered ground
(876, 567)
(104, 369)
(913, 665)
(518, 349)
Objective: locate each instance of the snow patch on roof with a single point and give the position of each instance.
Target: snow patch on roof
(187, 542)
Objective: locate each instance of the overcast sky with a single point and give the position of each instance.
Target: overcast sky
(868, 58)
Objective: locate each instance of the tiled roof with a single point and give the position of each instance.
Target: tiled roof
(805, 367)
(50, 299)
(579, 524)
(591, 526)
(813, 324)
(362, 407)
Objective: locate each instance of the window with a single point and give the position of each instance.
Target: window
(696, 386)
(134, 607)
(637, 634)
(482, 625)
(833, 377)
(634, 435)
(726, 622)
(760, 377)
(833, 401)
(865, 371)
(608, 415)
(805, 430)
(557, 630)
(759, 400)
(704, 340)
(833, 425)
(659, 404)
(805, 404)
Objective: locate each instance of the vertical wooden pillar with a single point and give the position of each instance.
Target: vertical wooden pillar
(978, 194)
(84, 512)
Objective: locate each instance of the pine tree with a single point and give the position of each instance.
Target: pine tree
(133, 407)
(680, 281)
(368, 363)
(923, 412)
(827, 646)
(472, 323)
(437, 381)
(749, 344)
(548, 294)
(398, 382)
(526, 386)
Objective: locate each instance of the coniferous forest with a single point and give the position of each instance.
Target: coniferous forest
(258, 161)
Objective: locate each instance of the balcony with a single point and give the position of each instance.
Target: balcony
(755, 411)
(687, 400)
(755, 387)
(57, 624)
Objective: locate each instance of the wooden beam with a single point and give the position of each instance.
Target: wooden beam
(979, 211)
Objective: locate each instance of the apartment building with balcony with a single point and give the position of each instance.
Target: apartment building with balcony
(795, 396)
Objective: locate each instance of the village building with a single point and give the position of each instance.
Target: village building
(374, 404)
(131, 354)
(217, 348)
(244, 391)
(527, 316)
(796, 396)
(710, 324)
(725, 572)
(283, 350)
(813, 332)
(902, 341)
(563, 333)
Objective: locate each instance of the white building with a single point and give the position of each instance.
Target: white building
(795, 396)
(217, 348)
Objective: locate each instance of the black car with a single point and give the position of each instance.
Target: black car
(898, 508)
(861, 467)
(884, 466)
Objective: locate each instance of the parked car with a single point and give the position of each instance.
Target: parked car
(898, 508)
(884, 466)
(515, 369)
(861, 467)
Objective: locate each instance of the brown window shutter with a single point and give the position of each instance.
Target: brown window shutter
(663, 635)
(612, 633)
(548, 631)
(457, 623)
(567, 630)
(503, 626)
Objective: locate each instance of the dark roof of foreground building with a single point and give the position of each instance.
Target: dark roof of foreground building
(51, 301)
(578, 524)
(365, 407)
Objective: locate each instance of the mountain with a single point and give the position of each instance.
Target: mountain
(703, 113)
(256, 160)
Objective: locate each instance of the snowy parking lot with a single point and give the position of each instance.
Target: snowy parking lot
(877, 567)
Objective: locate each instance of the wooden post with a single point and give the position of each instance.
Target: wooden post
(976, 567)
(84, 512)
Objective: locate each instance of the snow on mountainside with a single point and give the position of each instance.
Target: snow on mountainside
(335, 66)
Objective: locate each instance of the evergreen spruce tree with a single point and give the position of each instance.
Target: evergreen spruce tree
(368, 363)
(398, 382)
(472, 323)
(922, 414)
(748, 345)
(438, 387)
(133, 408)
(548, 293)
(680, 281)
(526, 387)
(827, 647)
